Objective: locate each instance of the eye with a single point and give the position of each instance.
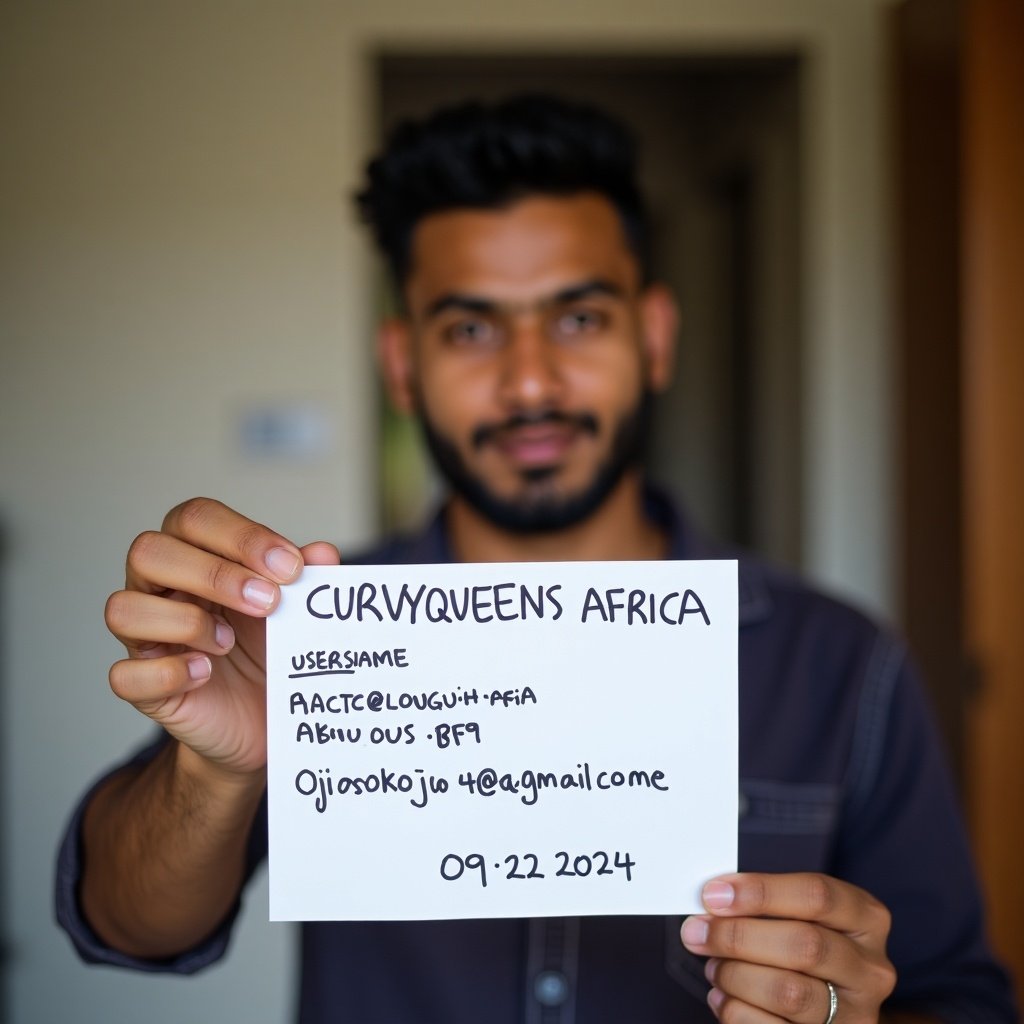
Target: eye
(571, 323)
(472, 332)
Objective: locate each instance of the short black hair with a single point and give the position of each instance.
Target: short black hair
(486, 156)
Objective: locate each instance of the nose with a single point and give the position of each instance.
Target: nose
(531, 372)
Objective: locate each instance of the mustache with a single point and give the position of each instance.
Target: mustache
(486, 433)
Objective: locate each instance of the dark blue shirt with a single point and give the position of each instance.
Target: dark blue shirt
(840, 772)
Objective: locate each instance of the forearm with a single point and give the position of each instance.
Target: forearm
(164, 852)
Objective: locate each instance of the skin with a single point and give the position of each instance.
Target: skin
(534, 308)
(491, 320)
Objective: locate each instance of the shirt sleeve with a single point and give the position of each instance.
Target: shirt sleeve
(89, 946)
(904, 841)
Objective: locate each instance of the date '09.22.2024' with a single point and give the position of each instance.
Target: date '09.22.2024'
(527, 866)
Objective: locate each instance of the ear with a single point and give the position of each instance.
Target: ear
(394, 357)
(659, 316)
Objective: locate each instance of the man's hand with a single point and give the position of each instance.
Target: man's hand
(164, 845)
(775, 940)
(191, 617)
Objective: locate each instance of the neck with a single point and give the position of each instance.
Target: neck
(618, 531)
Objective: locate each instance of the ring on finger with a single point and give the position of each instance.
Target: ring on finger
(833, 1003)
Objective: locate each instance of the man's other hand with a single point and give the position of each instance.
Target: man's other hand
(775, 941)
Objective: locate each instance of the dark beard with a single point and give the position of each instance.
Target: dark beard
(543, 512)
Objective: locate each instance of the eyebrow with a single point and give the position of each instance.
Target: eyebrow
(468, 303)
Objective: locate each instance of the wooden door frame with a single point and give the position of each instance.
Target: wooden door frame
(959, 161)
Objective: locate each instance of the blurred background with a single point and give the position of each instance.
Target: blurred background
(187, 307)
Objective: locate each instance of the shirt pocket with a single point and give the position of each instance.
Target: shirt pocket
(788, 826)
(788, 809)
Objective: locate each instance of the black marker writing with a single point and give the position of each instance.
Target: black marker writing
(643, 607)
(504, 602)
(378, 700)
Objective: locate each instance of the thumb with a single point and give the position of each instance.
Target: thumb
(320, 553)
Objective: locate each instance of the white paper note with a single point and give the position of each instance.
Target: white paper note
(501, 740)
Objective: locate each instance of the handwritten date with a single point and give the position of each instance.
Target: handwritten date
(527, 866)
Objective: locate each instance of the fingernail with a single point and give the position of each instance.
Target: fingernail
(284, 564)
(715, 999)
(259, 593)
(199, 668)
(709, 970)
(224, 635)
(695, 931)
(718, 895)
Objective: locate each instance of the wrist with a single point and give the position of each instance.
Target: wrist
(224, 786)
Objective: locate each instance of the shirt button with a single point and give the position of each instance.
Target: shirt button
(551, 988)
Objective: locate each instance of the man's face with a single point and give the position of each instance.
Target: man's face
(529, 350)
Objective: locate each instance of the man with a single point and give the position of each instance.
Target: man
(531, 341)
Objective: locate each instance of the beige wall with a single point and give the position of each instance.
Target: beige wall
(175, 244)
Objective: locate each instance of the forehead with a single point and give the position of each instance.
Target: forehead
(519, 253)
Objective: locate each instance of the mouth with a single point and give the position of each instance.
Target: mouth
(536, 442)
(532, 447)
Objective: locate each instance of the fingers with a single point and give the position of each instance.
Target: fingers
(786, 994)
(800, 896)
(210, 551)
(149, 684)
(792, 945)
(320, 553)
(153, 629)
(776, 939)
(143, 622)
(212, 526)
(206, 557)
(158, 563)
